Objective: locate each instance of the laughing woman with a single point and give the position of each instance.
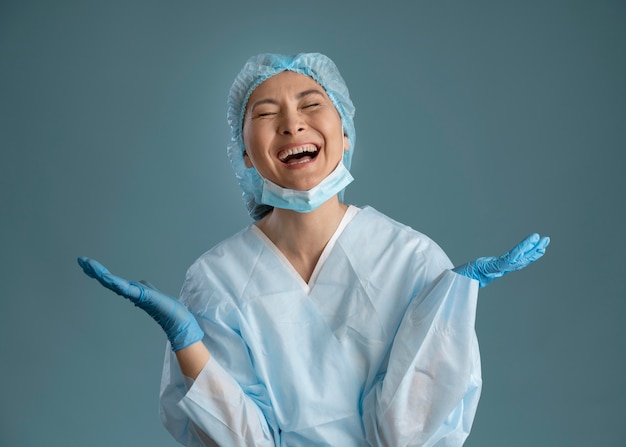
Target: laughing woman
(320, 324)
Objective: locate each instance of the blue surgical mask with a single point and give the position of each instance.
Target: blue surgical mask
(306, 201)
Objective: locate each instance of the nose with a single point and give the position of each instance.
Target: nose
(291, 123)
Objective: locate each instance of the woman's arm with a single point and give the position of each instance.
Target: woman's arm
(221, 412)
(193, 359)
(430, 390)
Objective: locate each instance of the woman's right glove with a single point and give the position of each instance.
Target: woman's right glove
(179, 324)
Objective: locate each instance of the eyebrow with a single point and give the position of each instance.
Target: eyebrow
(312, 91)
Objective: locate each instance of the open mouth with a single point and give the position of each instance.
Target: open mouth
(300, 154)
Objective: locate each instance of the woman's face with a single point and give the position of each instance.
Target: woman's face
(292, 132)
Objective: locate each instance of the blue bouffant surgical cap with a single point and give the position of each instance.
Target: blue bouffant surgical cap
(260, 68)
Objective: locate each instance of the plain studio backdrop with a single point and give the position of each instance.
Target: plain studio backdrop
(477, 123)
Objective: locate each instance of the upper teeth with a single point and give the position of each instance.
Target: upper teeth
(296, 150)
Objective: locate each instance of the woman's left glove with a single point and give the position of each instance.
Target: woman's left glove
(179, 324)
(486, 270)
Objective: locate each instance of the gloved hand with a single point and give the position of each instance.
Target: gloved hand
(486, 270)
(179, 324)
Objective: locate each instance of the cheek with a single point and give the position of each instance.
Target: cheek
(335, 132)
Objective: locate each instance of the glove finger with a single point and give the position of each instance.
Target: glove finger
(91, 267)
(99, 272)
(528, 253)
(538, 251)
(517, 252)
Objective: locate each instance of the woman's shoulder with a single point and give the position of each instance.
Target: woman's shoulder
(230, 252)
(371, 223)
(383, 250)
(222, 268)
(378, 235)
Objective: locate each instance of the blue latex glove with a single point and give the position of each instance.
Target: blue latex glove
(179, 324)
(486, 270)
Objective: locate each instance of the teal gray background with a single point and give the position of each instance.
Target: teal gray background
(477, 123)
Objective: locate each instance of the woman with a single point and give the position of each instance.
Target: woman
(321, 323)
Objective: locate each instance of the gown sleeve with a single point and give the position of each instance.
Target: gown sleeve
(225, 405)
(429, 393)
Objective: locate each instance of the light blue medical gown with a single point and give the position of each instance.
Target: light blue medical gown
(379, 349)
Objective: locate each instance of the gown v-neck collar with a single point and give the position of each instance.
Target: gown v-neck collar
(307, 287)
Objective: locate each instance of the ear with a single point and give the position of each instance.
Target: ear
(247, 160)
(346, 142)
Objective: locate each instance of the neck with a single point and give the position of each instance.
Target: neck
(301, 237)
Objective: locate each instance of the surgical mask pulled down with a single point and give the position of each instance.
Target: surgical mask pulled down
(306, 201)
